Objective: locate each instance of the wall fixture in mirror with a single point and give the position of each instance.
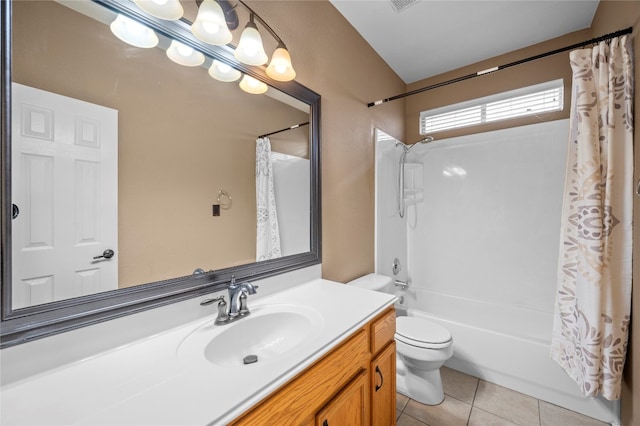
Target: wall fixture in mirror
(114, 159)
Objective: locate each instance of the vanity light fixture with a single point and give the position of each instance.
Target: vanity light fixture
(184, 55)
(250, 49)
(253, 86)
(133, 32)
(164, 9)
(280, 67)
(210, 25)
(223, 72)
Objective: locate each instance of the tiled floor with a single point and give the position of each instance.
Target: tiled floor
(474, 402)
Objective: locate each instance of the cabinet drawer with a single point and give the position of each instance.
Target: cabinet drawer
(383, 329)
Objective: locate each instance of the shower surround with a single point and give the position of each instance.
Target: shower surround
(480, 249)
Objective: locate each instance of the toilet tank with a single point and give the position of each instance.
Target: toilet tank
(374, 282)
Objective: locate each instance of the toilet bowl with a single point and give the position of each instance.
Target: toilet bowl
(422, 347)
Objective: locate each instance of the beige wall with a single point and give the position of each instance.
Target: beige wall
(540, 71)
(182, 137)
(612, 16)
(331, 58)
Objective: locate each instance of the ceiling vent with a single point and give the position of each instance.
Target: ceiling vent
(400, 5)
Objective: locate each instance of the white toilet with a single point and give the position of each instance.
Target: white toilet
(422, 347)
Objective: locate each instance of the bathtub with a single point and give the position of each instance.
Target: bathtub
(505, 345)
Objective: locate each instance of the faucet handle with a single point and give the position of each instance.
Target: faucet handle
(206, 302)
(222, 317)
(243, 310)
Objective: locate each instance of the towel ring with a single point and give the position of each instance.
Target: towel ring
(224, 199)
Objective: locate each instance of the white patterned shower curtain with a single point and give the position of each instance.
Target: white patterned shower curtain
(593, 299)
(268, 232)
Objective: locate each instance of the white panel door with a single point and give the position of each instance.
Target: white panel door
(65, 185)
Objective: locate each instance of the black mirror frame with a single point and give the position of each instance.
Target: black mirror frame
(31, 323)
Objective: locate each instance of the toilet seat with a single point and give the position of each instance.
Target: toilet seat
(422, 333)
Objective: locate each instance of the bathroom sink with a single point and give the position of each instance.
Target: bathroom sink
(270, 333)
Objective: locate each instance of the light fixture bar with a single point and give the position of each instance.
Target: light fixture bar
(262, 21)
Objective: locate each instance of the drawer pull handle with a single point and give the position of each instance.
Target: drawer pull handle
(381, 378)
(325, 423)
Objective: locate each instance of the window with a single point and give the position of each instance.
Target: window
(540, 98)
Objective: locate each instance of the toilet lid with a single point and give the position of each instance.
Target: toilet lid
(421, 332)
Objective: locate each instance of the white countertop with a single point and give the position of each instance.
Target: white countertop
(152, 382)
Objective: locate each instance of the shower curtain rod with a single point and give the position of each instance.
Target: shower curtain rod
(501, 67)
(295, 126)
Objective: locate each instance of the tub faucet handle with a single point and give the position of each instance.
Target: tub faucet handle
(402, 284)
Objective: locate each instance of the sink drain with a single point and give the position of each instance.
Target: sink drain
(250, 359)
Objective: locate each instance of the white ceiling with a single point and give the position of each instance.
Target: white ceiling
(430, 37)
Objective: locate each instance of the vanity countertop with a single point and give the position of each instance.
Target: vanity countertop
(154, 382)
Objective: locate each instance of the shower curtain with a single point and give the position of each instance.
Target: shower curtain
(593, 299)
(268, 232)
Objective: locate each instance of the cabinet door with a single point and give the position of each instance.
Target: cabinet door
(350, 407)
(383, 387)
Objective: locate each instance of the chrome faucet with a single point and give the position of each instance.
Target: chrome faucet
(237, 299)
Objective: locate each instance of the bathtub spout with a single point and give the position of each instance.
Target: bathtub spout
(402, 284)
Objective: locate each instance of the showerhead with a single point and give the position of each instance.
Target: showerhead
(408, 148)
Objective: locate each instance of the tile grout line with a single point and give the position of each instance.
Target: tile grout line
(473, 400)
(500, 416)
(495, 414)
(539, 414)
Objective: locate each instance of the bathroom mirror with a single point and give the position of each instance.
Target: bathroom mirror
(176, 215)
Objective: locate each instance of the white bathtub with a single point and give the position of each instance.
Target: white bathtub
(505, 345)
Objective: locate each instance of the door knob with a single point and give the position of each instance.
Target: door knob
(107, 254)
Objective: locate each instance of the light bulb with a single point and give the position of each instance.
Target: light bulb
(133, 32)
(184, 50)
(184, 55)
(164, 9)
(250, 50)
(223, 72)
(210, 25)
(253, 86)
(280, 67)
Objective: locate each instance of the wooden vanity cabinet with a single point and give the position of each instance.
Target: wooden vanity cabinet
(353, 385)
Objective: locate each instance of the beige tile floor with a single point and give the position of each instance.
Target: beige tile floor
(470, 401)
